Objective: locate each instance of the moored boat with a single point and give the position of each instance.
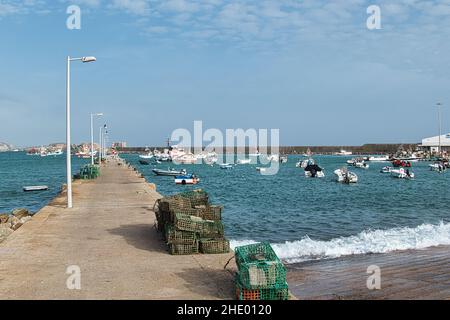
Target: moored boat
(402, 173)
(345, 176)
(169, 172)
(187, 179)
(386, 170)
(314, 171)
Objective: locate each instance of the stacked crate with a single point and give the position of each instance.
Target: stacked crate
(190, 224)
(89, 172)
(261, 275)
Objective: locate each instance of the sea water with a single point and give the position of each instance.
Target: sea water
(303, 218)
(18, 170)
(315, 218)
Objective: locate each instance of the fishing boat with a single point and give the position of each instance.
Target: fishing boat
(386, 170)
(226, 166)
(244, 161)
(345, 176)
(283, 159)
(314, 171)
(187, 179)
(402, 173)
(211, 160)
(260, 169)
(169, 172)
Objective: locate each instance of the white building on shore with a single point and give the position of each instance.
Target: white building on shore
(432, 143)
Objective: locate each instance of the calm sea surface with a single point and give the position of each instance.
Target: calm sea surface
(18, 170)
(304, 218)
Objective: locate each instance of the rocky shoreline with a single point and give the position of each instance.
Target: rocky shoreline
(10, 222)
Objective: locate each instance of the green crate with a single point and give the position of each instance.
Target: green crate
(183, 249)
(262, 275)
(174, 236)
(211, 212)
(214, 246)
(212, 229)
(188, 223)
(242, 293)
(258, 252)
(196, 197)
(174, 203)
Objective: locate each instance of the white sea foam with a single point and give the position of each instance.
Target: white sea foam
(371, 241)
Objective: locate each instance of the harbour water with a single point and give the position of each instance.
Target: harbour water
(18, 170)
(308, 218)
(303, 218)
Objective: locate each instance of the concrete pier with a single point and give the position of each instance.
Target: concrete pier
(110, 236)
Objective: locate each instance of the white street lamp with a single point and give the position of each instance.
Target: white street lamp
(439, 106)
(92, 134)
(68, 143)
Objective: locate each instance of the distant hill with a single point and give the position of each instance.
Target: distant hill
(5, 147)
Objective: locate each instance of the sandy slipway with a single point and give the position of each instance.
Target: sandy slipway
(110, 236)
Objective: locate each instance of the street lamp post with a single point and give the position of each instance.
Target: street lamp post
(92, 134)
(68, 142)
(439, 105)
(100, 142)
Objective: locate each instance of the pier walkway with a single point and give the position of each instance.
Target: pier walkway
(110, 236)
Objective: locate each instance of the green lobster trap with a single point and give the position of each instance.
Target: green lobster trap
(214, 246)
(212, 229)
(183, 249)
(174, 236)
(260, 267)
(196, 197)
(280, 293)
(188, 223)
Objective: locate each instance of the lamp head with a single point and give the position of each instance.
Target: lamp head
(88, 59)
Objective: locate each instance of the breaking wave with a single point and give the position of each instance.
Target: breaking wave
(371, 241)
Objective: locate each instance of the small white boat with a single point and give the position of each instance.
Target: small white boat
(361, 165)
(35, 188)
(379, 159)
(244, 161)
(148, 156)
(345, 176)
(439, 167)
(386, 170)
(226, 166)
(402, 173)
(260, 169)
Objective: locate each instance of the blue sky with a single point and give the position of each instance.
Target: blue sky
(310, 68)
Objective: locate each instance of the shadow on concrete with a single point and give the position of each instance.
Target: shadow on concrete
(141, 236)
(217, 284)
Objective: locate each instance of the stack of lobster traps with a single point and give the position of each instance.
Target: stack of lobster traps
(190, 224)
